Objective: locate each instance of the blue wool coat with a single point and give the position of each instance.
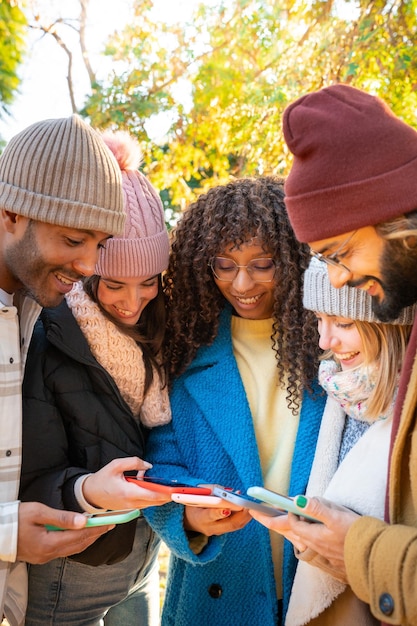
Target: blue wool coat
(211, 439)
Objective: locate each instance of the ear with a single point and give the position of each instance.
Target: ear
(10, 220)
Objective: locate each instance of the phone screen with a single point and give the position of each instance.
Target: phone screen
(246, 502)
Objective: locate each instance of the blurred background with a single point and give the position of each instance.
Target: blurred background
(201, 84)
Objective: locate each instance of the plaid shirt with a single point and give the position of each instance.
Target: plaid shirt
(13, 351)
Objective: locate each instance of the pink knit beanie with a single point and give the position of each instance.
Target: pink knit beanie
(144, 248)
(355, 163)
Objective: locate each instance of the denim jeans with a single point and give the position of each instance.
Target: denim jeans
(64, 592)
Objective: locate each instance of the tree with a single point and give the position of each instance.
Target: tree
(221, 78)
(65, 27)
(13, 28)
(244, 60)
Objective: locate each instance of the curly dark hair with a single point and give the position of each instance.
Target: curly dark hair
(230, 215)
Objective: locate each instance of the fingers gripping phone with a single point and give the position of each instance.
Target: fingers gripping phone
(163, 485)
(246, 501)
(105, 518)
(284, 503)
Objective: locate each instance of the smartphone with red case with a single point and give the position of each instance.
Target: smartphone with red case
(164, 485)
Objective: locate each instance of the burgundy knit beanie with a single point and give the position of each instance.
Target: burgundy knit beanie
(355, 163)
(144, 248)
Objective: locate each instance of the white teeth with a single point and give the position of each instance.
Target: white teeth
(345, 356)
(369, 284)
(123, 311)
(64, 280)
(252, 300)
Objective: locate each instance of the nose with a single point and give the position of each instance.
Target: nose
(243, 280)
(328, 339)
(132, 298)
(338, 276)
(85, 264)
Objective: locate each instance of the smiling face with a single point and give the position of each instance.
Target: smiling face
(361, 256)
(46, 260)
(250, 299)
(124, 299)
(341, 336)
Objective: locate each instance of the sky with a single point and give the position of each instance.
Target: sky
(44, 91)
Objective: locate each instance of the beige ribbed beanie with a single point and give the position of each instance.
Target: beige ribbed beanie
(60, 171)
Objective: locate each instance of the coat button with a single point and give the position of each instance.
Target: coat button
(215, 591)
(386, 604)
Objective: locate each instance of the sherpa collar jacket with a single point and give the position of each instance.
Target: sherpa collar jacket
(381, 558)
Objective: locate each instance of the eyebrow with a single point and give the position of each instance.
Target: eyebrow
(111, 280)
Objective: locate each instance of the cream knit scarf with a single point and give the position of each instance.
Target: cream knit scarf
(121, 356)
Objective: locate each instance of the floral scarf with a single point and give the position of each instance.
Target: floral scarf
(351, 388)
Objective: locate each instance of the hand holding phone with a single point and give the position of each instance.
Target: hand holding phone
(283, 503)
(105, 518)
(167, 486)
(246, 501)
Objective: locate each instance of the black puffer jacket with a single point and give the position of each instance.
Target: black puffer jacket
(74, 422)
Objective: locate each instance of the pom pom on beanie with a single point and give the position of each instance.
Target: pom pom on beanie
(61, 172)
(355, 163)
(143, 249)
(320, 296)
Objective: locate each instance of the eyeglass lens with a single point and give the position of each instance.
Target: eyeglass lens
(260, 270)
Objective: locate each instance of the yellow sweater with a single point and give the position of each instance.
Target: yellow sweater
(275, 425)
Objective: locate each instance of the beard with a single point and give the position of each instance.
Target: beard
(398, 279)
(25, 262)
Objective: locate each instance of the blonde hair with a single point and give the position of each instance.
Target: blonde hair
(384, 345)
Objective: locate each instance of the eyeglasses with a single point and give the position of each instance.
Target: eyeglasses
(332, 258)
(260, 270)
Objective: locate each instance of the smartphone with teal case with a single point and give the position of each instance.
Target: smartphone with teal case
(105, 518)
(284, 503)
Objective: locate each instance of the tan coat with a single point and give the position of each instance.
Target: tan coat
(381, 559)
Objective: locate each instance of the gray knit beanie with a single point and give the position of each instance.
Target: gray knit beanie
(143, 249)
(60, 171)
(319, 295)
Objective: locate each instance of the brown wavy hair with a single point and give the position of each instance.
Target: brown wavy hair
(230, 215)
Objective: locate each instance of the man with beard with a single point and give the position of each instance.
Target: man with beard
(352, 196)
(60, 199)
